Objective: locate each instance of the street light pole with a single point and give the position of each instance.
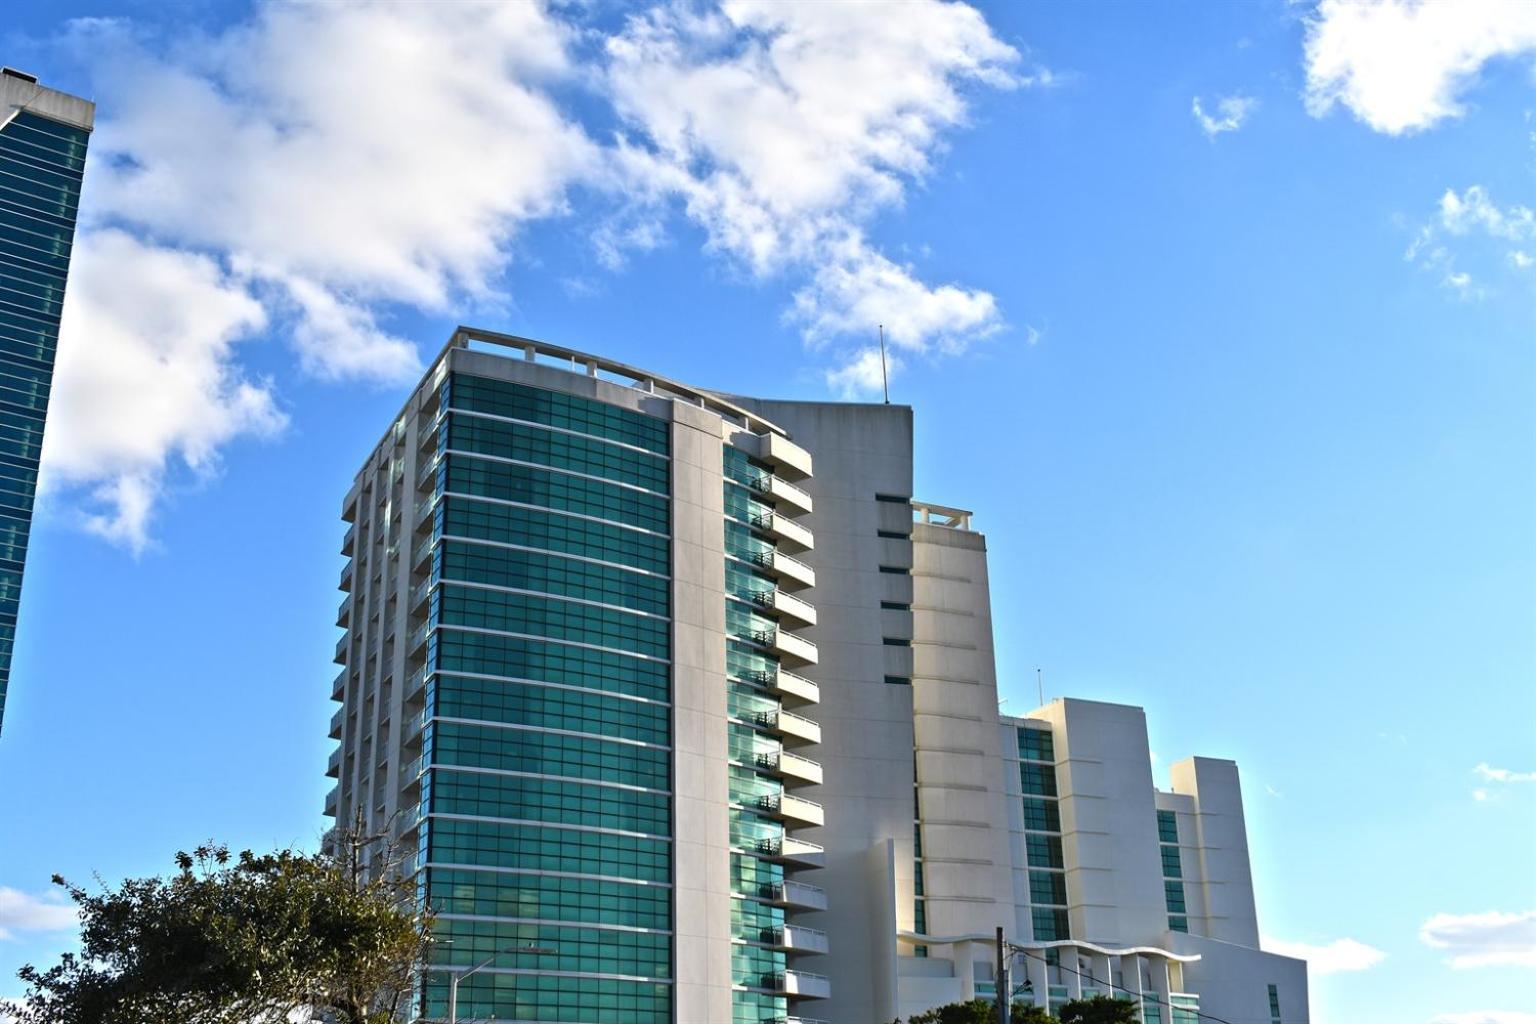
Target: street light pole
(454, 977)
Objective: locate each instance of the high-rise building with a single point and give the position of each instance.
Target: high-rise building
(686, 712)
(43, 134)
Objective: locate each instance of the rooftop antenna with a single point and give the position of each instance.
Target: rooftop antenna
(1040, 681)
(885, 376)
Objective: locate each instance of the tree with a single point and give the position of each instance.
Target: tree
(237, 940)
(981, 1011)
(1099, 1010)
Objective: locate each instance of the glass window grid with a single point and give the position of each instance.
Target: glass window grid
(40, 171)
(553, 531)
(548, 898)
(549, 661)
(551, 574)
(467, 474)
(538, 847)
(554, 801)
(558, 999)
(742, 468)
(1043, 851)
(1037, 779)
(554, 618)
(1171, 866)
(548, 753)
(550, 707)
(757, 967)
(1042, 815)
(1167, 827)
(758, 1008)
(558, 409)
(577, 949)
(525, 443)
(1036, 745)
(1173, 893)
(1048, 887)
(1050, 924)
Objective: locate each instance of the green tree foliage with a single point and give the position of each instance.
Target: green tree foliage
(238, 940)
(981, 1011)
(1099, 1010)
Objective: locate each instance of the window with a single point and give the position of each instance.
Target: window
(895, 606)
(1036, 745)
(893, 499)
(898, 680)
(895, 641)
(1041, 815)
(1167, 827)
(1050, 924)
(1171, 866)
(1178, 924)
(892, 535)
(1274, 1005)
(1173, 893)
(1043, 851)
(894, 570)
(1037, 779)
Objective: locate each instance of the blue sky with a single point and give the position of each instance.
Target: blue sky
(1256, 376)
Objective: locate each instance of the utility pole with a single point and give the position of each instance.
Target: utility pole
(1002, 978)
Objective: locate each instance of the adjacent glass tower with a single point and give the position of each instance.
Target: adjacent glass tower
(43, 136)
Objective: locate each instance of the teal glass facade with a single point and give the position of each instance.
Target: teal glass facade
(1173, 872)
(541, 706)
(41, 165)
(1042, 835)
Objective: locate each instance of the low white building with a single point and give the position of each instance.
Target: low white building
(1050, 827)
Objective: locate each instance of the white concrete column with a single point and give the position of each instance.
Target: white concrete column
(965, 968)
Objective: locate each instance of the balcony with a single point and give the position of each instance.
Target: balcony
(792, 852)
(336, 721)
(789, 533)
(802, 939)
(786, 456)
(417, 681)
(331, 800)
(339, 686)
(789, 647)
(418, 638)
(341, 650)
(789, 726)
(333, 764)
(422, 553)
(349, 540)
(418, 596)
(785, 496)
(782, 764)
(346, 577)
(796, 895)
(792, 687)
(804, 985)
(792, 809)
(344, 612)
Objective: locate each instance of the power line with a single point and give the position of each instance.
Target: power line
(1121, 988)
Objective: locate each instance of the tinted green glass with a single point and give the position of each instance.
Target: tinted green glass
(548, 661)
(1167, 826)
(526, 443)
(528, 485)
(449, 791)
(570, 412)
(550, 998)
(549, 898)
(551, 574)
(550, 707)
(546, 848)
(548, 753)
(553, 531)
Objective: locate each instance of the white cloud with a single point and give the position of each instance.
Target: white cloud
(1492, 939)
(783, 128)
(312, 170)
(301, 172)
(1485, 1017)
(23, 912)
(145, 378)
(1402, 66)
(1336, 957)
(1491, 774)
(1231, 112)
(1474, 224)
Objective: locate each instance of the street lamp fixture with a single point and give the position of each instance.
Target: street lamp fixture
(454, 977)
